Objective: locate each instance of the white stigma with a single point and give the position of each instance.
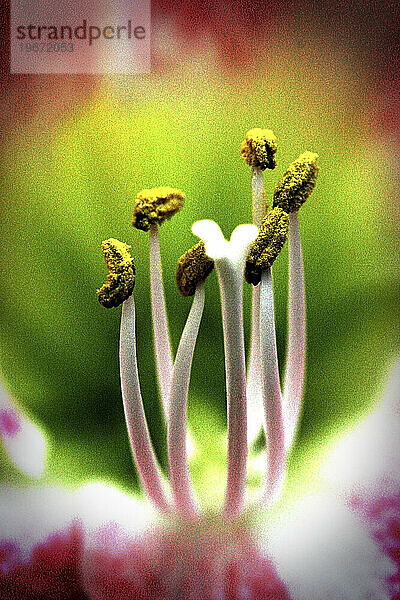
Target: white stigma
(218, 248)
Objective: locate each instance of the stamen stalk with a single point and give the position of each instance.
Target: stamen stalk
(295, 358)
(271, 390)
(177, 444)
(257, 187)
(254, 396)
(163, 352)
(142, 449)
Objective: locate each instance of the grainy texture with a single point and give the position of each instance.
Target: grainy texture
(259, 148)
(267, 245)
(121, 278)
(297, 183)
(193, 266)
(154, 206)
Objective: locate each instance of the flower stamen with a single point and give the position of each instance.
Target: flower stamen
(121, 277)
(272, 397)
(297, 183)
(291, 192)
(262, 253)
(152, 208)
(177, 440)
(296, 346)
(119, 290)
(254, 395)
(162, 342)
(139, 436)
(268, 244)
(259, 148)
(193, 266)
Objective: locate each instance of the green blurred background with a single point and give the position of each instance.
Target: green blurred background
(70, 181)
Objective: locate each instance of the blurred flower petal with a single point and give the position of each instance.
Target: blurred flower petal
(43, 532)
(367, 459)
(205, 559)
(40, 545)
(23, 441)
(365, 469)
(323, 551)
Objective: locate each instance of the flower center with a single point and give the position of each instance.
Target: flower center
(251, 251)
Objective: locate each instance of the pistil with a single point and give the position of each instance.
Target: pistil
(230, 261)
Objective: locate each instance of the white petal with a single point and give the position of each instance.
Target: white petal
(368, 457)
(322, 551)
(29, 516)
(27, 450)
(23, 441)
(99, 505)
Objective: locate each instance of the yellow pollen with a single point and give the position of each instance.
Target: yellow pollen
(193, 266)
(154, 206)
(121, 278)
(267, 245)
(259, 148)
(297, 183)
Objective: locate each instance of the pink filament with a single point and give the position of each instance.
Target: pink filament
(271, 389)
(143, 452)
(162, 342)
(177, 455)
(295, 360)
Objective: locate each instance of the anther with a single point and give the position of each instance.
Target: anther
(259, 148)
(154, 206)
(193, 267)
(267, 245)
(121, 277)
(297, 183)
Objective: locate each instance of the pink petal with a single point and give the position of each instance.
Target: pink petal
(40, 545)
(207, 559)
(382, 517)
(364, 468)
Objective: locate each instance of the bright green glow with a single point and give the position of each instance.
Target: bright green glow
(76, 185)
